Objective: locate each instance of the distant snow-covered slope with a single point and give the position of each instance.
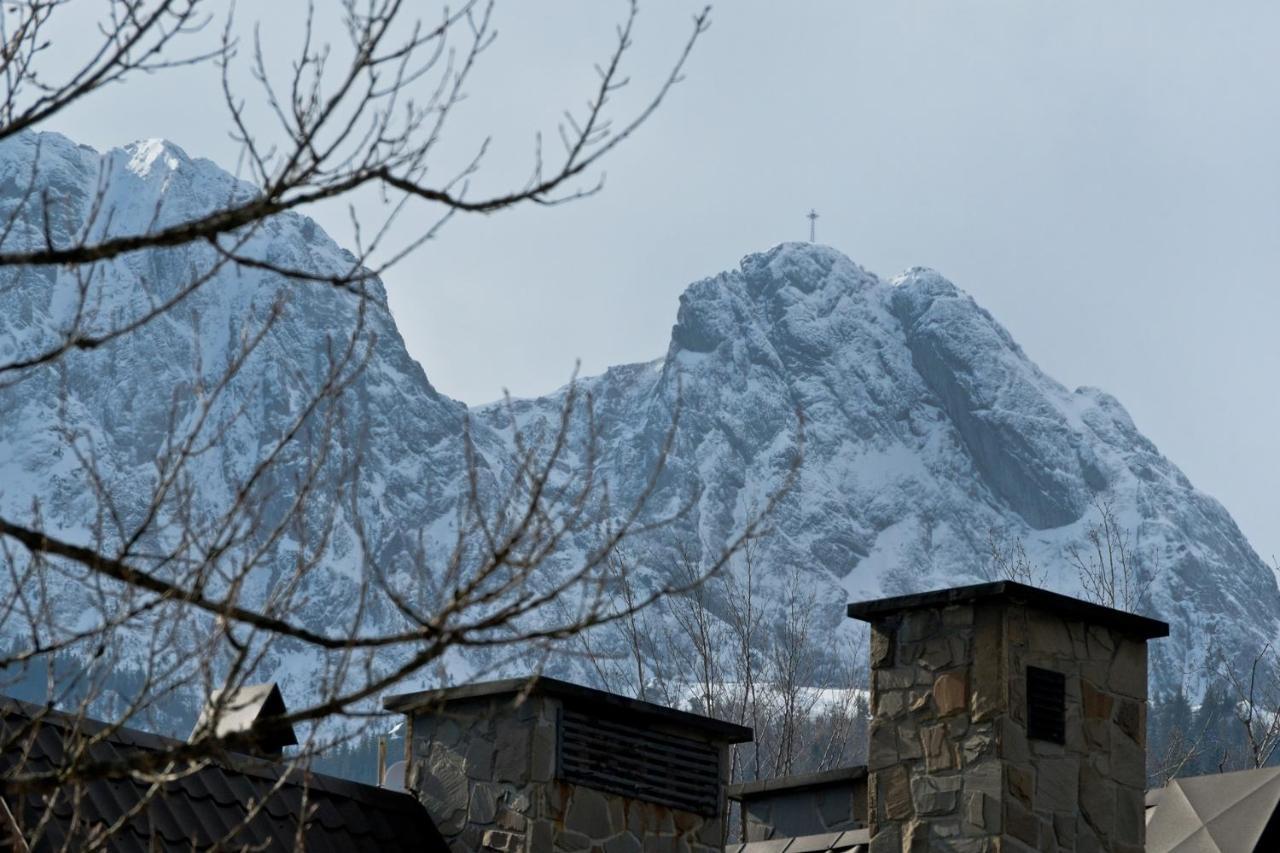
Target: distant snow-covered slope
(121, 403)
(926, 430)
(925, 427)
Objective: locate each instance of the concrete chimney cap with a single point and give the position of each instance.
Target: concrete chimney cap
(1140, 627)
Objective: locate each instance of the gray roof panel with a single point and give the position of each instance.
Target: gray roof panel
(1223, 811)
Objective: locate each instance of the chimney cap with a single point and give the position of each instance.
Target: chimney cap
(1131, 624)
(580, 696)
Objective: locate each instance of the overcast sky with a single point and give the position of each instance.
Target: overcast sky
(1103, 176)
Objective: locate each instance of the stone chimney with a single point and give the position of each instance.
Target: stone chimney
(540, 765)
(1006, 718)
(798, 806)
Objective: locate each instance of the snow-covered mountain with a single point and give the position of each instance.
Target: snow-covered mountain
(926, 429)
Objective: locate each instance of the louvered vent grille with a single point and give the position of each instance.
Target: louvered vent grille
(637, 762)
(1046, 704)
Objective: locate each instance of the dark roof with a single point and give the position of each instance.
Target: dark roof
(217, 802)
(582, 697)
(766, 787)
(1062, 605)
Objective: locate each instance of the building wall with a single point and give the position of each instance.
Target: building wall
(951, 766)
(832, 808)
(486, 773)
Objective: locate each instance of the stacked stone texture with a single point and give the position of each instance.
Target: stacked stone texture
(486, 771)
(951, 765)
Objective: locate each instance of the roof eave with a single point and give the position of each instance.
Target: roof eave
(406, 703)
(1132, 624)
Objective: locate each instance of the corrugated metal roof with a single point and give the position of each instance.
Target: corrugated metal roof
(240, 803)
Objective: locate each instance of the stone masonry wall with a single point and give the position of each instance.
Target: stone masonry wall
(485, 770)
(951, 766)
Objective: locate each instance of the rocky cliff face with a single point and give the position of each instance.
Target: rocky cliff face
(925, 427)
(926, 432)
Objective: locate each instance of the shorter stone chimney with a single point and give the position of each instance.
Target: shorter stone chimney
(1006, 718)
(541, 765)
(804, 805)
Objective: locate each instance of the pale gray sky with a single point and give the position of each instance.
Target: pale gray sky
(1101, 175)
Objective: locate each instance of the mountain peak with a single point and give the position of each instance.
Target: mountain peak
(922, 277)
(145, 154)
(805, 267)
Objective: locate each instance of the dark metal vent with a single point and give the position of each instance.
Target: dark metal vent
(1046, 705)
(638, 762)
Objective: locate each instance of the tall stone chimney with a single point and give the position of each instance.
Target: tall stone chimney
(1006, 718)
(541, 765)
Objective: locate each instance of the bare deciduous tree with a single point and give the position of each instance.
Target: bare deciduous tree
(202, 600)
(1007, 560)
(1182, 748)
(1111, 565)
(1256, 703)
(749, 648)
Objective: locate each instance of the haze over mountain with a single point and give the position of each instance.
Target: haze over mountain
(926, 430)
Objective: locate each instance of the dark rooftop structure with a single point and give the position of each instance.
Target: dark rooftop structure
(238, 803)
(799, 782)
(537, 764)
(808, 804)
(1065, 606)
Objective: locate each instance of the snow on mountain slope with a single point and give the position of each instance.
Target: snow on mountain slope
(116, 403)
(925, 427)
